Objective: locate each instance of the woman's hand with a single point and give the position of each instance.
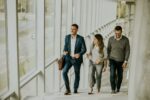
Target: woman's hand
(88, 56)
(104, 69)
(97, 61)
(105, 65)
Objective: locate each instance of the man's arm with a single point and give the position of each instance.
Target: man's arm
(127, 50)
(65, 46)
(83, 47)
(127, 53)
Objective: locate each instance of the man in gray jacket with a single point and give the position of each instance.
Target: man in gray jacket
(118, 53)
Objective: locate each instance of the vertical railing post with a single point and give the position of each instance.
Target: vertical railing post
(57, 73)
(83, 17)
(69, 16)
(89, 13)
(40, 47)
(13, 58)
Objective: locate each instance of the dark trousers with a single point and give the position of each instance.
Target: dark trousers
(116, 74)
(68, 64)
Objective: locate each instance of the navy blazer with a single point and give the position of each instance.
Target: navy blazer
(80, 47)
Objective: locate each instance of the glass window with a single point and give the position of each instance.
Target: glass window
(49, 30)
(3, 49)
(63, 23)
(27, 35)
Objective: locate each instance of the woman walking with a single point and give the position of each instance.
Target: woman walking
(98, 62)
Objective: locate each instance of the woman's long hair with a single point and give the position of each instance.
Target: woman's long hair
(100, 42)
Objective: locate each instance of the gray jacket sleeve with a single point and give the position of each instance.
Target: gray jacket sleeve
(127, 50)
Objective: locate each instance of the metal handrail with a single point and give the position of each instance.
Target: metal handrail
(32, 76)
(7, 95)
(51, 62)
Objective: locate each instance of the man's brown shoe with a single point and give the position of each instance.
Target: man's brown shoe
(68, 92)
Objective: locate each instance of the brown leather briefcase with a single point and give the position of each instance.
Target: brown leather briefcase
(61, 63)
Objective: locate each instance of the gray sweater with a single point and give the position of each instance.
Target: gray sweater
(118, 50)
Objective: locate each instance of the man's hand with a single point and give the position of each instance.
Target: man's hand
(77, 56)
(65, 52)
(124, 65)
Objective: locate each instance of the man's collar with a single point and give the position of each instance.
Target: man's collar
(73, 36)
(118, 38)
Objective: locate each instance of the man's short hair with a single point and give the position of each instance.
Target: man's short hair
(75, 25)
(118, 28)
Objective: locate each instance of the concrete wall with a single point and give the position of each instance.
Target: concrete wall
(139, 82)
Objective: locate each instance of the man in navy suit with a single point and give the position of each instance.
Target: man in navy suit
(74, 49)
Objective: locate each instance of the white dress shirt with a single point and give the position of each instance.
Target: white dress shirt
(73, 42)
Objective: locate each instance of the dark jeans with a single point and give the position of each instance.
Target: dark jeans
(68, 64)
(116, 74)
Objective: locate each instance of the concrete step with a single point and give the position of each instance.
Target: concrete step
(83, 95)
